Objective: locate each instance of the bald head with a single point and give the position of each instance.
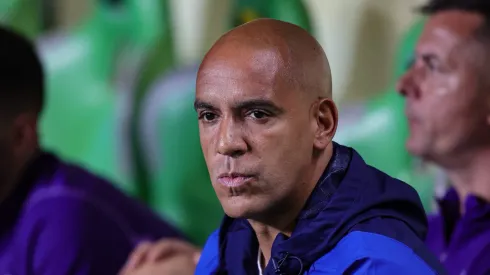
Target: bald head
(285, 51)
(266, 118)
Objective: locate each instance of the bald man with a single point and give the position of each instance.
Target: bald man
(295, 202)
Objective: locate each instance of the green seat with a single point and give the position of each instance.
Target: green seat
(292, 11)
(88, 106)
(158, 60)
(178, 184)
(24, 16)
(379, 134)
(180, 188)
(380, 130)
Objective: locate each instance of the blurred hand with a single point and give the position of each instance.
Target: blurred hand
(163, 257)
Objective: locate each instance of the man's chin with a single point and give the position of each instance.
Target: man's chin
(239, 212)
(414, 148)
(235, 215)
(422, 152)
(240, 208)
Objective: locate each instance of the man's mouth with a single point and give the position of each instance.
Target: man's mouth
(234, 179)
(411, 117)
(412, 121)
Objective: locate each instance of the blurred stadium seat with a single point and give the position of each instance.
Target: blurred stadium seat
(22, 15)
(293, 11)
(92, 73)
(179, 183)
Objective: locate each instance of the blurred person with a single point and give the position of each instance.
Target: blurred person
(295, 202)
(55, 218)
(447, 92)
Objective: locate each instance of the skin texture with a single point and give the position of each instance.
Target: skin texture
(448, 100)
(266, 121)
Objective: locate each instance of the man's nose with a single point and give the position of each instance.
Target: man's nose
(231, 141)
(407, 85)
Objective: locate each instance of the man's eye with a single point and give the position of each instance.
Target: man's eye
(434, 67)
(206, 116)
(258, 114)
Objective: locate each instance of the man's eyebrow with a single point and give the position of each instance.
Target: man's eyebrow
(247, 105)
(258, 104)
(199, 104)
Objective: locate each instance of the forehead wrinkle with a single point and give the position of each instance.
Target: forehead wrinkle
(212, 78)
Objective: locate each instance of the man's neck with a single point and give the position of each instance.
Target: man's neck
(266, 235)
(285, 221)
(472, 178)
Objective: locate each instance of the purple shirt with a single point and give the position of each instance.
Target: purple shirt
(63, 220)
(462, 243)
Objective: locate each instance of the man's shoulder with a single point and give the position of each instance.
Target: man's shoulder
(60, 230)
(80, 193)
(363, 252)
(80, 219)
(69, 200)
(55, 177)
(76, 199)
(62, 209)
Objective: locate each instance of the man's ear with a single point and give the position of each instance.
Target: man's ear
(327, 120)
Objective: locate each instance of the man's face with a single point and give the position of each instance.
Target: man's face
(446, 93)
(255, 130)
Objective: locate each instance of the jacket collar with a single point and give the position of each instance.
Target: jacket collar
(473, 221)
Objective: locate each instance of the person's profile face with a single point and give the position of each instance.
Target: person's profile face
(254, 129)
(441, 87)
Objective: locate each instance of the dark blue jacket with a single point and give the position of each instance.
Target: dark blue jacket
(358, 220)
